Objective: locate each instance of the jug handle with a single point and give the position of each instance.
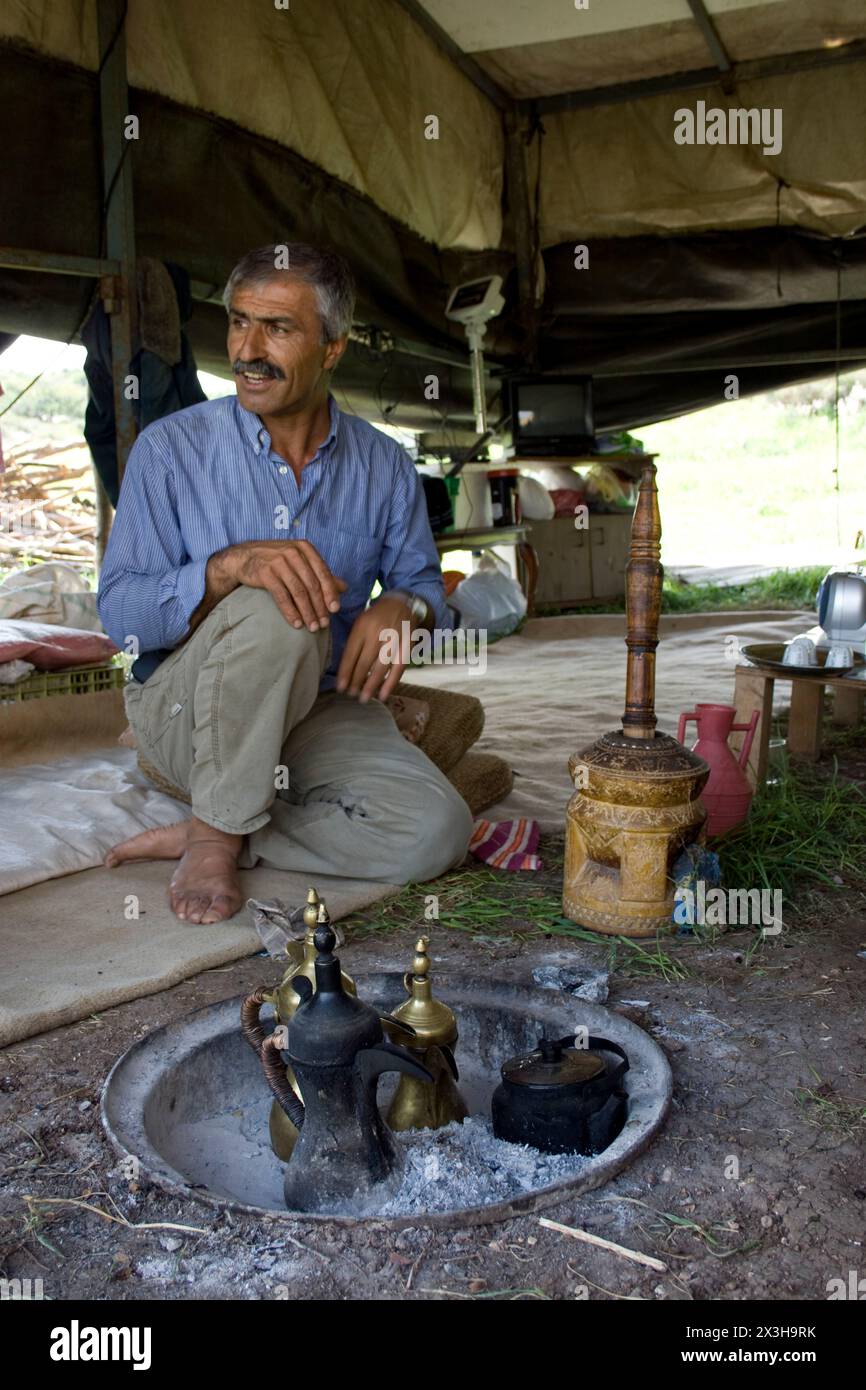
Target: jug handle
(251, 1026)
(749, 730)
(274, 1069)
(602, 1045)
(268, 1046)
(681, 727)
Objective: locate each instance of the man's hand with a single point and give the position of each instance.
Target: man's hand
(294, 574)
(376, 633)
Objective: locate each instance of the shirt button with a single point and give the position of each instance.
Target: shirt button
(283, 468)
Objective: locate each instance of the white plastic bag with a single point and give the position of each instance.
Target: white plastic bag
(536, 503)
(489, 600)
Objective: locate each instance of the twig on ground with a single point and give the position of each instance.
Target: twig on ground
(32, 1200)
(512, 1295)
(308, 1249)
(649, 1260)
(413, 1269)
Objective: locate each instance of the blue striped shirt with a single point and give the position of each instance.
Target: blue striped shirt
(206, 477)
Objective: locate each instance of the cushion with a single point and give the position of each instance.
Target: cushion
(482, 779)
(455, 723)
(49, 647)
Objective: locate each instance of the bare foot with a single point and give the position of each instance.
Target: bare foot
(205, 885)
(163, 842)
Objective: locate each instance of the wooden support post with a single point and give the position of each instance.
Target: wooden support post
(517, 186)
(753, 690)
(804, 723)
(119, 291)
(643, 600)
(848, 704)
(527, 560)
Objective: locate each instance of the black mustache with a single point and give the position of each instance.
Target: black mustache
(259, 366)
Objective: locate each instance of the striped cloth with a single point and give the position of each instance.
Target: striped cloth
(207, 477)
(506, 844)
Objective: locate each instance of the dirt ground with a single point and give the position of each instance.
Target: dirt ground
(755, 1188)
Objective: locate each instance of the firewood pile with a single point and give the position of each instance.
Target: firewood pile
(47, 505)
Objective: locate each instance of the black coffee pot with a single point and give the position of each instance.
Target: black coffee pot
(561, 1098)
(337, 1050)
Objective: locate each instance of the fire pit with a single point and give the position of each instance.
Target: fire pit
(190, 1103)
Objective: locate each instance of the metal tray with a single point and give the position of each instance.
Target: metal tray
(770, 654)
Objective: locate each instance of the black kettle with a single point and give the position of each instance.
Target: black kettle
(561, 1098)
(337, 1050)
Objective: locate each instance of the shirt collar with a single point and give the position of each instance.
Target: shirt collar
(255, 431)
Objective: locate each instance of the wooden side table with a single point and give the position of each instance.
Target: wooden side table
(753, 690)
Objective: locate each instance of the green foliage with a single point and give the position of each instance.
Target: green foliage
(752, 481)
(56, 396)
(794, 588)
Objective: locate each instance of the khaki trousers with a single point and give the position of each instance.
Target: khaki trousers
(319, 784)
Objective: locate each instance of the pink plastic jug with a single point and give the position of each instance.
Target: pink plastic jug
(728, 794)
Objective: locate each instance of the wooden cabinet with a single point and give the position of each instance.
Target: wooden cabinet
(581, 566)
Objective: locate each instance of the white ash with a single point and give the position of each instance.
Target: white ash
(465, 1165)
(588, 982)
(576, 972)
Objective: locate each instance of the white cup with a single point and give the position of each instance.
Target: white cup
(800, 651)
(840, 655)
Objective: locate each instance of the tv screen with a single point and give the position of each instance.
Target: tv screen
(551, 415)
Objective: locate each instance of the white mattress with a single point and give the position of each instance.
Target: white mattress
(59, 817)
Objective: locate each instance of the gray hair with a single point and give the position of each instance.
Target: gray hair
(328, 273)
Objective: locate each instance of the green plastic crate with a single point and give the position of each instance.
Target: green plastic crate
(77, 680)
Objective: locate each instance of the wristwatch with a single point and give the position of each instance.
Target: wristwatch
(417, 605)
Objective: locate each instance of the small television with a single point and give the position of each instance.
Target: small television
(551, 416)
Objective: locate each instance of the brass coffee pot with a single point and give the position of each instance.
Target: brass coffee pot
(345, 1157)
(416, 1104)
(285, 1000)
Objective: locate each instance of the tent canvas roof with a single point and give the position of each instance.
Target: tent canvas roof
(261, 124)
(541, 48)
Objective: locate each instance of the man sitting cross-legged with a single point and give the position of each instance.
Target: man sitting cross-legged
(249, 533)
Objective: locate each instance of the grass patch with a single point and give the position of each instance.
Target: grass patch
(486, 904)
(806, 828)
(826, 1110)
(669, 1223)
(793, 588)
(493, 907)
(638, 959)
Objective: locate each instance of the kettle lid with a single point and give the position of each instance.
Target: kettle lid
(555, 1062)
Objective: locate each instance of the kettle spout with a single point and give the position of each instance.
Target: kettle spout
(373, 1061)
